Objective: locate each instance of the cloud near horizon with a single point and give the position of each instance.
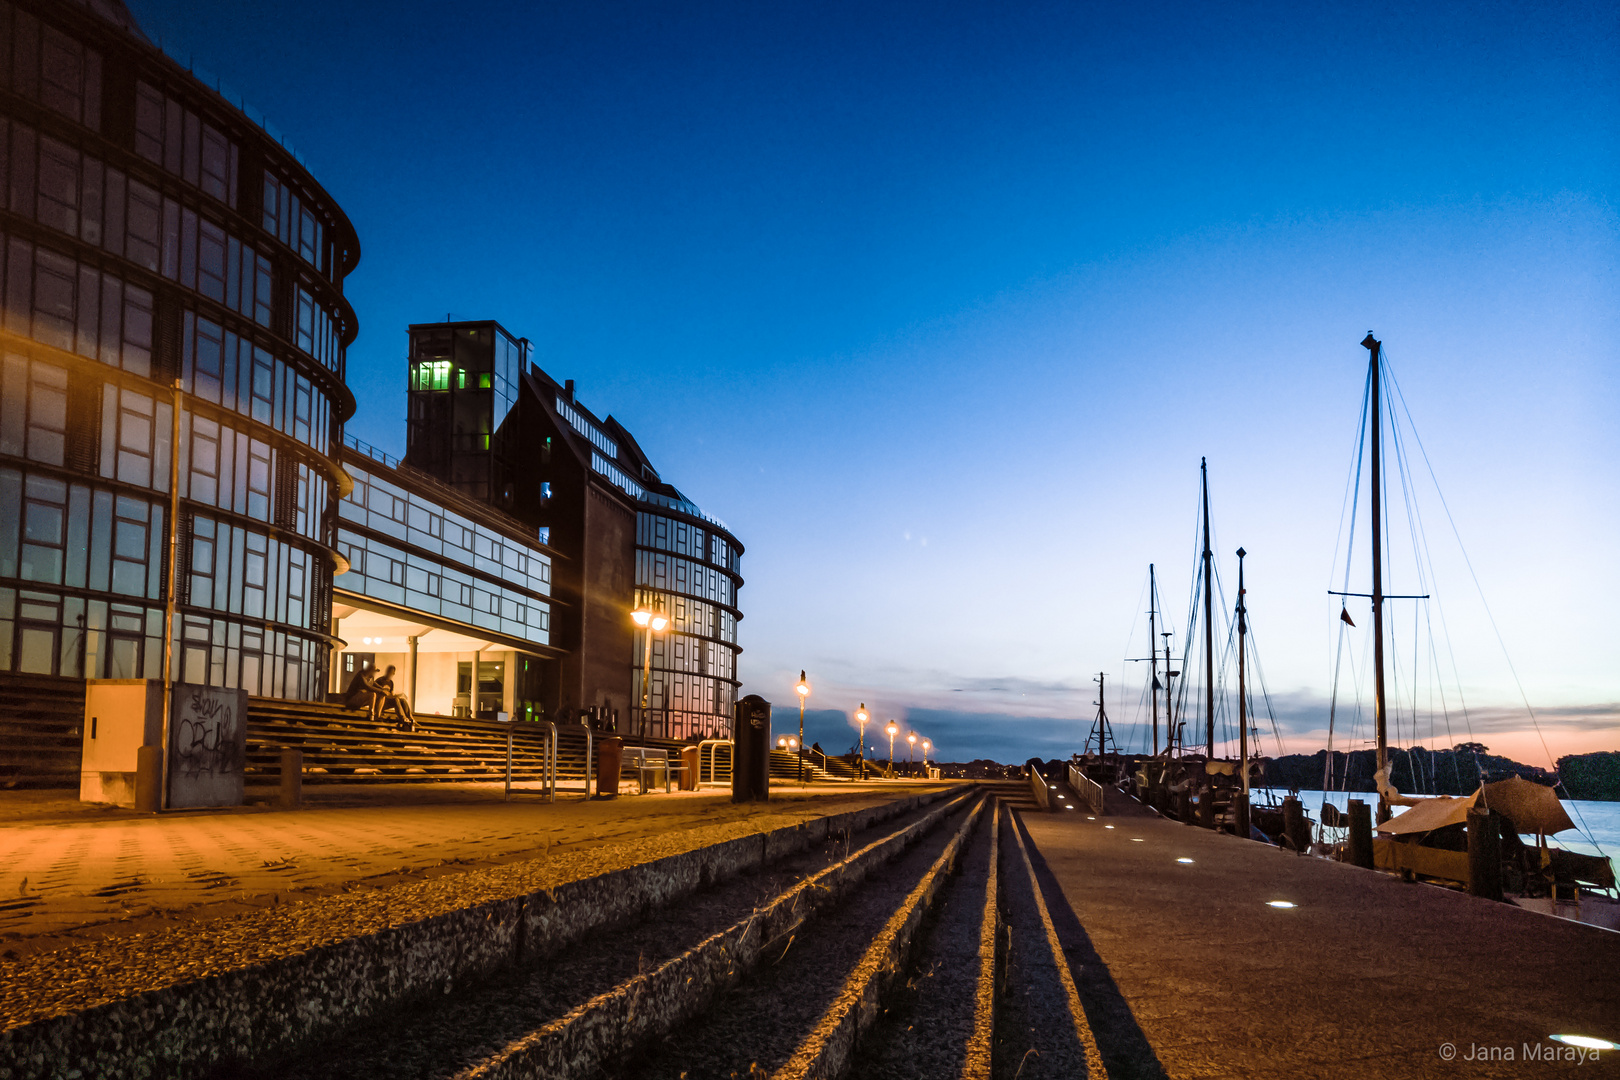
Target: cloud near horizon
(1001, 730)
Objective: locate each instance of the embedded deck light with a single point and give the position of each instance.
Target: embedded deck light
(1183, 859)
(1585, 1042)
(1137, 840)
(1108, 826)
(1280, 903)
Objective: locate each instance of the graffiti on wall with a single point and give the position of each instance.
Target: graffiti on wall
(207, 746)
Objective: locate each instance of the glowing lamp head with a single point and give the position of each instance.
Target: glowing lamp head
(803, 688)
(861, 714)
(782, 743)
(658, 623)
(793, 743)
(642, 617)
(893, 729)
(912, 739)
(927, 745)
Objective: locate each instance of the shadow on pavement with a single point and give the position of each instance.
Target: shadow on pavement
(1126, 1052)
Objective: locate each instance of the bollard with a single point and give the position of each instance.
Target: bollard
(1298, 833)
(148, 779)
(1206, 809)
(1184, 807)
(1484, 855)
(1240, 814)
(292, 777)
(609, 756)
(1361, 835)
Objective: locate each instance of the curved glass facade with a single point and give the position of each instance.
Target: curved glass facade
(157, 247)
(688, 567)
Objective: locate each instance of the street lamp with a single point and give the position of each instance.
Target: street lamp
(803, 689)
(926, 747)
(862, 716)
(911, 762)
(653, 622)
(893, 729)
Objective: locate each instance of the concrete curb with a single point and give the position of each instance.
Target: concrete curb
(190, 1029)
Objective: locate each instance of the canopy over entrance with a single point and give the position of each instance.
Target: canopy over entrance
(443, 667)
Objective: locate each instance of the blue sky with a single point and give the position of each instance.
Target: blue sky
(939, 305)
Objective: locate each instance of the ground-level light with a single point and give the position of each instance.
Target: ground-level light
(1585, 1042)
(1184, 859)
(1279, 903)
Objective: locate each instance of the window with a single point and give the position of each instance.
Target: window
(70, 78)
(133, 537)
(44, 531)
(170, 135)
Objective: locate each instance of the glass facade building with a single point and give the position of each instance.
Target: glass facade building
(172, 399)
(688, 565)
(160, 251)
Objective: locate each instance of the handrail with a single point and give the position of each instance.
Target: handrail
(1090, 792)
(1037, 787)
(551, 764)
(714, 746)
(590, 762)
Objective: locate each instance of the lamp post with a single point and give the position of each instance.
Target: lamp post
(893, 729)
(926, 746)
(803, 689)
(653, 622)
(911, 760)
(862, 717)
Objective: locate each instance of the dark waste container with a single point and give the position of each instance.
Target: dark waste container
(609, 756)
(751, 750)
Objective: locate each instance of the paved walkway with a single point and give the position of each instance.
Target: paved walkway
(1186, 971)
(70, 871)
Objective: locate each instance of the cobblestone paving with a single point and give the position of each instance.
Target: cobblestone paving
(67, 872)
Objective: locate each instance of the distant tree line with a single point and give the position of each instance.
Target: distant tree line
(1458, 771)
(1592, 776)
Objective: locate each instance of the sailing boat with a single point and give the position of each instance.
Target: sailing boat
(1431, 839)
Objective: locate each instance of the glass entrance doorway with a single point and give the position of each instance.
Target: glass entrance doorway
(490, 695)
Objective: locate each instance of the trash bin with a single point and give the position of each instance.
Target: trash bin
(689, 768)
(751, 752)
(609, 756)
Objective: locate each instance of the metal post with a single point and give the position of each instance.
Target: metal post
(169, 600)
(509, 762)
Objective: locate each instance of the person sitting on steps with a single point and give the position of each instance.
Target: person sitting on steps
(362, 691)
(386, 699)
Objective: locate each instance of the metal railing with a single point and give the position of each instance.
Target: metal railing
(548, 762)
(1090, 792)
(1037, 788)
(714, 746)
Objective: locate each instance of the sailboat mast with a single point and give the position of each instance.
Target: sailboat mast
(1243, 705)
(1209, 625)
(1375, 347)
(1153, 651)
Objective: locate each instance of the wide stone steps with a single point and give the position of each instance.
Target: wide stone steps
(918, 946)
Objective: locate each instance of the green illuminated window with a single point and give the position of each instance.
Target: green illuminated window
(483, 381)
(434, 375)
